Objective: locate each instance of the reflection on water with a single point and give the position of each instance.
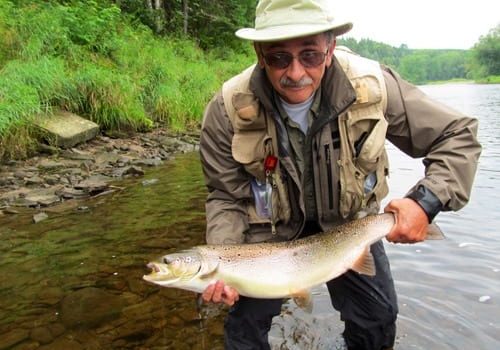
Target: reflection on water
(75, 281)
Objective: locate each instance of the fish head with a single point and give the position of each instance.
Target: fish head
(173, 269)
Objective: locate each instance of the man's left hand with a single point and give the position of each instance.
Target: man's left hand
(411, 221)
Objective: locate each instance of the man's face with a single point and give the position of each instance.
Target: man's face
(296, 82)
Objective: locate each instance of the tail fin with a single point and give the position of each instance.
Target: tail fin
(434, 232)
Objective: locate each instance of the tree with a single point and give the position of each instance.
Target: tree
(486, 53)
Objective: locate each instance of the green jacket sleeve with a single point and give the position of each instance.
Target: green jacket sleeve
(445, 138)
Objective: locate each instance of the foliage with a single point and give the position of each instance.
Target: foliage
(87, 57)
(211, 23)
(486, 55)
(417, 66)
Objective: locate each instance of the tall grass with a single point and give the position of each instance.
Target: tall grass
(88, 58)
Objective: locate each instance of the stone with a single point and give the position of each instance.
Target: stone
(41, 335)
(67, 129)
(90, 307)
(62, 344)
(39, 217)
(43, 197)
(12, 338)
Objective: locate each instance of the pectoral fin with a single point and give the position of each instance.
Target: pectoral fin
(365, 264)
(303, 300)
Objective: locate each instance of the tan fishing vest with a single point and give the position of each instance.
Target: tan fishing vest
(255, 138)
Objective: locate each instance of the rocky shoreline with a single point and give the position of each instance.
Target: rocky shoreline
(56, 175)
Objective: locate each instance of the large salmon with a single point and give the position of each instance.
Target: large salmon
(277, 270)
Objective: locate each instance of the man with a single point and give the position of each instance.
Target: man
(295, 145)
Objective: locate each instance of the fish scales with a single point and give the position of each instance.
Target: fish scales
(278, 269)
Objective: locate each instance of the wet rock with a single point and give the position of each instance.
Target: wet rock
(56, 329)
(12, 338)
(149, 182)
(90, 307)
(129, 171)
(62, 344)
(43, 197)
(50, 295)
(34, 180)
(76, 154)
(41, 335)
(149, 162)
(40, 217)
(48, 164)
(71, 193)
(92, 185)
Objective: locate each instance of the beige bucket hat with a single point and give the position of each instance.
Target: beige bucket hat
(287, 19)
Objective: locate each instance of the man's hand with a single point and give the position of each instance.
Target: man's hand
(411, 221)
(220, 293)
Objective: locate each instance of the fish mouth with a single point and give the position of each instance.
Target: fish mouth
(154, 267)
(159, 272)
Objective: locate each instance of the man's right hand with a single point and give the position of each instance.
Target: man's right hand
(220, 293)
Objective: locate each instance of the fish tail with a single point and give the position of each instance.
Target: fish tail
(434, 232)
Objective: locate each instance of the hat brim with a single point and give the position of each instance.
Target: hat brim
(291, 31)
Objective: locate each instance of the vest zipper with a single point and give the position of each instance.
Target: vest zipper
(329, 176)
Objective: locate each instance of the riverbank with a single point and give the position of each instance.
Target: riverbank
(58, 177)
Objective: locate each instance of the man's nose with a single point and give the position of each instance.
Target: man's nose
(295, 70)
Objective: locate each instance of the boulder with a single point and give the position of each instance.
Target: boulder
(67, 129)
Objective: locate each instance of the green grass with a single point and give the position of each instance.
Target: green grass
(492, 79)
(91, 60)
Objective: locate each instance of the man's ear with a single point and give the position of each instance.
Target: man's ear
(329, 57)
(258, 52)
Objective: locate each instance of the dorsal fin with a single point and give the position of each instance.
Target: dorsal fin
(365, 264)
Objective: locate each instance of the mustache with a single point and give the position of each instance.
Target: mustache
(287, 82)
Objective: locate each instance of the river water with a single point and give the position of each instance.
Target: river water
(74, 281)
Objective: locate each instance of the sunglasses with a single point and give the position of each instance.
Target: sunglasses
(308, 59)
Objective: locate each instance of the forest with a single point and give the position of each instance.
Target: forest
(131, 65)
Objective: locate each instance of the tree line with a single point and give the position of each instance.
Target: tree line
(211, 23)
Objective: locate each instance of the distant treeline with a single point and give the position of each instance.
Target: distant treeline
(417, 66)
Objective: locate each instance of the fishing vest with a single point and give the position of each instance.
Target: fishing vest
(362, 165)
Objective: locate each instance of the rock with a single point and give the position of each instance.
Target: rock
(43, 197)
(41, 335)
(90, 307)
(34, 180)
(129, 171)
(67, 128)
(50, 295)
(148, 162)
(12, 338)
(70, 193)
(62, 344)
(40, 217)
(56, 329)
(48, 164)
(149, 182)
(92, 186)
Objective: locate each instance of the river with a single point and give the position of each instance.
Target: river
(74, 281)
